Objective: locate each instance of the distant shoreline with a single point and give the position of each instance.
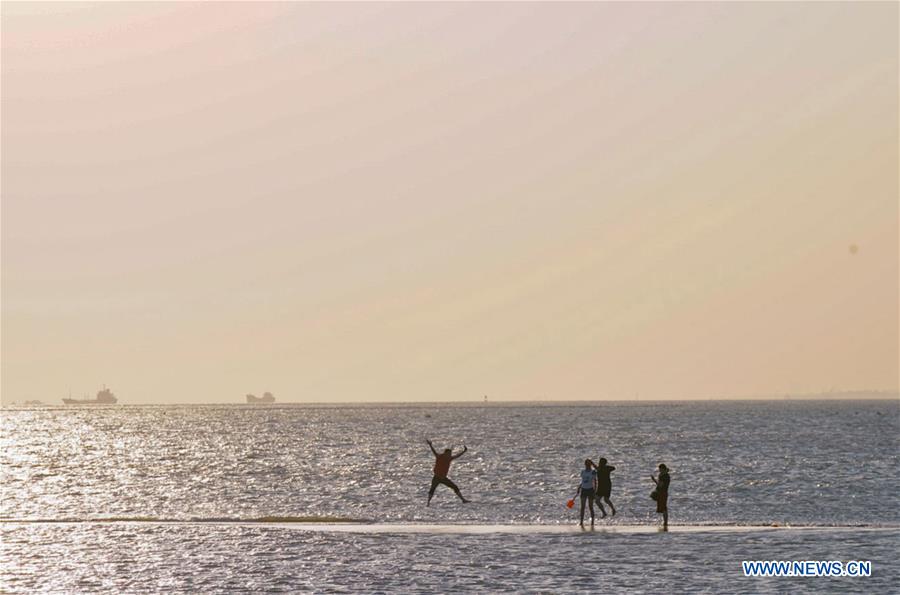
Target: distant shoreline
(856, 397)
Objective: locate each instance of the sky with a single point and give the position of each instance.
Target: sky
(433, 202)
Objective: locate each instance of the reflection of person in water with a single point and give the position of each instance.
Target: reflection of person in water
(662, 493)
(604, 484)
(441, 468)
(587, 488)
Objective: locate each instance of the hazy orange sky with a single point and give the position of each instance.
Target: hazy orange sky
(375, 202)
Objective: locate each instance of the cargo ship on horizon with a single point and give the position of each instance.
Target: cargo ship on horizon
(104, 397)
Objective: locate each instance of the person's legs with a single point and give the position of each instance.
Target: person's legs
(583, 499)
(591, 503)
(434, 484)
(611, 507)
(662, 506)
(602, 493)
(600, 506)
(453, 487)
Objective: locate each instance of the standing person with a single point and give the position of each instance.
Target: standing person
(604, 484)
(662, 494)
(587, 488)
(441, 468)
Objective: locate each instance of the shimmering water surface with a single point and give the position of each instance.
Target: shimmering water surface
(825, 464)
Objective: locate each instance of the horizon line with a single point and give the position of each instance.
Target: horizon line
(868, 395)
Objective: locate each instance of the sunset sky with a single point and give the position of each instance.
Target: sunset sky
(428, 202)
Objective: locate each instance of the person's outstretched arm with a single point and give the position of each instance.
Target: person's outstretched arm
(465, 448)
(431, 446)
(611, 468)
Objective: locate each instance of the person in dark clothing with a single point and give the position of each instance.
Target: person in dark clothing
(662, 494)
(604, 484)
(441, 468)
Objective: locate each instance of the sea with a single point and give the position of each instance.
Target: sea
(332, 498)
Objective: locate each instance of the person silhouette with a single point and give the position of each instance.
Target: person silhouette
(604, 484)
(441, 468)
(662, 494)
(587, 488)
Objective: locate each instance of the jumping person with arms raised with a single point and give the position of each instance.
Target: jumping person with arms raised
(441, 468)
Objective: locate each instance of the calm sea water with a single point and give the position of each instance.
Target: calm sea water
(834, 466)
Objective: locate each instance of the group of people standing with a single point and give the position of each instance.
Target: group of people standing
(595, 486)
